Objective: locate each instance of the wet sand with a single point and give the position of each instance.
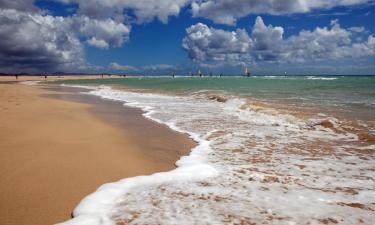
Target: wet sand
(57, 146)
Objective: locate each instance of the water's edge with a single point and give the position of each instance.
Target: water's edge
(96, 208)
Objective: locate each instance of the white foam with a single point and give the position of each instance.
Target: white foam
(249, 166)
(96, 208)
(321, 78)
(30, 82)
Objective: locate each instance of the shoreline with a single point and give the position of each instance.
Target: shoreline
(258, 158)
(52, 161)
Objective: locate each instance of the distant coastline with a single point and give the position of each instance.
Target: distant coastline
(108, 75)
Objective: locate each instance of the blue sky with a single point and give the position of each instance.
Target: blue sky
(182, 36)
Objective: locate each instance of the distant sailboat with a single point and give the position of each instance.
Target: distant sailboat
(247, 72)
(199, 73)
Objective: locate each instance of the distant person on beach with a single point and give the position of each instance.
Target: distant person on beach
(16, 77)
(45, 77)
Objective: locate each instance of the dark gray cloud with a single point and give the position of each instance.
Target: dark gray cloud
(228, 11)
(21, 5)
(33, 42)
(267, 44)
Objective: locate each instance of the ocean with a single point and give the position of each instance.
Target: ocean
(270, 150)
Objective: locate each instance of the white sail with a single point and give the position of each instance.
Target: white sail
(247, 71)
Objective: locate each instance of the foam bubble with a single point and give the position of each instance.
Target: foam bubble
(321, 78)
(250, 166)
(30, 82)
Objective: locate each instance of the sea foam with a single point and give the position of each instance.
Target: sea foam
(250, 166)
(30, 82)
(96, 208)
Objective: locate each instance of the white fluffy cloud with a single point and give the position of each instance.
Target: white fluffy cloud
(42, 42)
(119, 67)
(208, 44)
(228, 11)
(267, 44)
(144, 10)
(267, 41)
(148, 68)
(102, 33)
(220, 11)
(99, 43)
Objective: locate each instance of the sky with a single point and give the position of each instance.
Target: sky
(161, 37)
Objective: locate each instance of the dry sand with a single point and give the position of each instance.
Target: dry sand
(54, 151)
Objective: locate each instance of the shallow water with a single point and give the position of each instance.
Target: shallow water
(290, 150)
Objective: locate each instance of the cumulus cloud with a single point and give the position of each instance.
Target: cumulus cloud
(144, 10)
(267, 41)
(147, 68)
(147, 10)
(209, 44)
(21, 5)
(117, 66)
(228, 11)
(357, 29)
(42, 42)
(268, 44)
(332, 42)
(102, 33)
(158, 67)
(32, 42)
(99, 43)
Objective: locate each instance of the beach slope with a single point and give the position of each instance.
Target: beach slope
(54, 152)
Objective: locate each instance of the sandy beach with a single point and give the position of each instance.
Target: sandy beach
(57, 147)
(187, 112)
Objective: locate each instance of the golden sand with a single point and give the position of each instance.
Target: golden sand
(55, 152)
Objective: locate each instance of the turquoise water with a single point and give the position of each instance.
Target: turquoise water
(271, 87)
(262, 142)
(353, 96)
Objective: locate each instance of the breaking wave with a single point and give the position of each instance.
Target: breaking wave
(252, 165)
